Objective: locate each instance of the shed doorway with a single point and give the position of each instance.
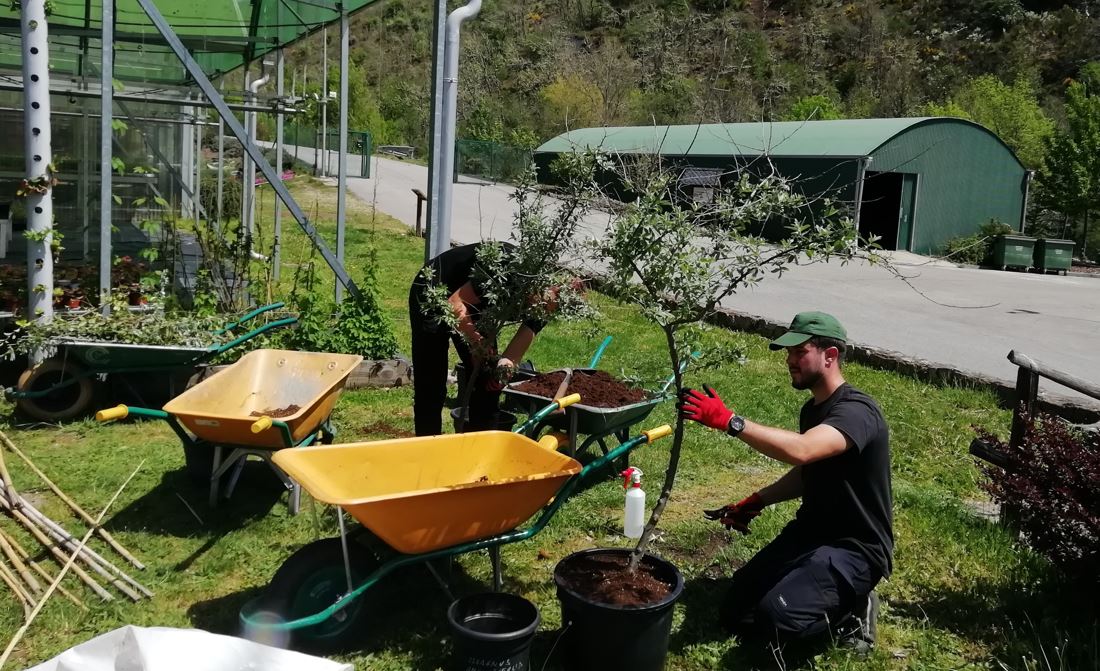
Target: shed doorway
(880, 211)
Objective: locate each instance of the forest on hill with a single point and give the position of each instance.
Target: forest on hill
(1027, 69)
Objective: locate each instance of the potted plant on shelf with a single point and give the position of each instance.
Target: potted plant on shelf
(677, 264)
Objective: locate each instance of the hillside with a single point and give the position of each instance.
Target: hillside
(530, 70)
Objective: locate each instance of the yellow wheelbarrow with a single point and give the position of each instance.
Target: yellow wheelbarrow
(266, 401)
(418, 499)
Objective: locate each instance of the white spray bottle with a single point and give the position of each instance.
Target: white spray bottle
(634, 517)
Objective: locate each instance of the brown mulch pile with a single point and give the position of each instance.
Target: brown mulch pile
(597, 389)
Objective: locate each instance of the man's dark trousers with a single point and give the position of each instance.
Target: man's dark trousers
(796, 590)
(430, 346)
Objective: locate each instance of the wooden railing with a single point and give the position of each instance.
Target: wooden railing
(1027, 399)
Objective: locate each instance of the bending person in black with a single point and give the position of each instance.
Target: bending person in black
(455, 269)
(816, 579)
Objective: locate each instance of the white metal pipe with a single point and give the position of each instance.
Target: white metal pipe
(439, 32)
(441, 238)
(342, 159)
(39, 156)
(249, 186)
(324, 101)
(280, 85)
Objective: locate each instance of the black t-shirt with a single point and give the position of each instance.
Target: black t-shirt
(847, 498)
(454, 268)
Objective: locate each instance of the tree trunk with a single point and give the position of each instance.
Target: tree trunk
(673, 459)
(1085, 238)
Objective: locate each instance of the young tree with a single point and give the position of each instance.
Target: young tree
(529, 281)
(678, 264)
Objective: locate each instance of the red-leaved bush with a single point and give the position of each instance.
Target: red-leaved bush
(1052, 484)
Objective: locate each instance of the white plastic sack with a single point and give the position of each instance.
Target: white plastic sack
(133, 648)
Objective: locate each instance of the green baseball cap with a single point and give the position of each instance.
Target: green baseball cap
(806, 325)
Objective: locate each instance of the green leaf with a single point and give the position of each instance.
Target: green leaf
(117, 199)
(138, 202)
(160, 201)
(119, 125)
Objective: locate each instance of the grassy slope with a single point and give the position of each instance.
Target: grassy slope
(962, 595)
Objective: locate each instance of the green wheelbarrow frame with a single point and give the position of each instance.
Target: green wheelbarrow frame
(257, 623)
(81, 359)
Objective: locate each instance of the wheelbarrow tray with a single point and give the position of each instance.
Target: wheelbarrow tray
(102, 355)
(590, 419)
(423, 494)
(222, 408)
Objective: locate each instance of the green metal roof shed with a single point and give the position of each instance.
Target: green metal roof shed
(915, 182)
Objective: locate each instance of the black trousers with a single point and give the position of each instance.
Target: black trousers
(431, 344)
(796, 590)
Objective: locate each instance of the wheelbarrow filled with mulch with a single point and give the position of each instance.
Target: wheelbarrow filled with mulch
(610, 407)
(267, 401)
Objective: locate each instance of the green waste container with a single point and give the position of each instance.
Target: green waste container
(1056, 255)
(1012, 251)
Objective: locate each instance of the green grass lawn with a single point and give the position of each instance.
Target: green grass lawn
(963, 595)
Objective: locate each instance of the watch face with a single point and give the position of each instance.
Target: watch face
(737, 424)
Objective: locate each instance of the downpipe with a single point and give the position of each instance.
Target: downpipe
(248, 216)
(441, 238)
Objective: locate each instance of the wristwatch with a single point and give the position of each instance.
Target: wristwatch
(736, 426)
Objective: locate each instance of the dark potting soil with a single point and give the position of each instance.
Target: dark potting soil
(597, 388)
(277, 413)
(604, 578)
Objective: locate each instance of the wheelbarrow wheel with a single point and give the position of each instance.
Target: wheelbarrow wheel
(69, 391)
(311, 580)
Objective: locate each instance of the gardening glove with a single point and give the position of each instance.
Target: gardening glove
(737, 516)
(705, 408)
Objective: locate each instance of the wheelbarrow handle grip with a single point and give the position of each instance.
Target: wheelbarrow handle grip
(566, 401)
(262, 424)
(658, 433)
(118, 412)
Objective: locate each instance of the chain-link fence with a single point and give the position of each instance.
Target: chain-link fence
(360, 147)
(490, 160)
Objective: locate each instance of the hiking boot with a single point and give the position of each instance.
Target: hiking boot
(859, 634)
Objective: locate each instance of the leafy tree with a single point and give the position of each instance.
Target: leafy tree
(571, 101)
(1070, 179)
(813, 108)
(1012, 112)
(678, 264)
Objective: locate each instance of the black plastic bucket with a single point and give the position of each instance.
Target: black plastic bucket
(502, 421)
(600, 636)
(492, 631)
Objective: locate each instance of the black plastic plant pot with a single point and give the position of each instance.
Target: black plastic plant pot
(502, 421)
(600, 636)
(492, 631)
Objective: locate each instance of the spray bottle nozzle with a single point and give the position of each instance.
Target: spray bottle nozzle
(632, 475)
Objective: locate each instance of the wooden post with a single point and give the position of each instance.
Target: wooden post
(1027, 392)
(420, 198)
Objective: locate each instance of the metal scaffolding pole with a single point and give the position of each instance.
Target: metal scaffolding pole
(196, 196)
(439, 32)
(106, 133)
(342, 160)
(83, 181)
(280, 83)
(203, 83)
(221, 173)
(39, 156)
(324, 101)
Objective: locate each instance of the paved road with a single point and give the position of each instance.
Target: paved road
(1053, 319)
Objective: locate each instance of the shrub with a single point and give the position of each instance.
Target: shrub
(1052, 482)
(975, 249)
(357, 326)
(231, 197)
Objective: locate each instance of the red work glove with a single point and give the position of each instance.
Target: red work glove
(707, 409)
(737, 515)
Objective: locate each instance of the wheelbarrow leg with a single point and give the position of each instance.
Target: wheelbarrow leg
(439, 578)
(498, 579)
(215, 475)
